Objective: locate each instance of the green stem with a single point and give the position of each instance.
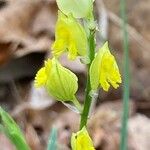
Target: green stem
(88, 98)
(124, 131)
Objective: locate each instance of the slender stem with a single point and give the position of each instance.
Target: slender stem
(88, 98)
(124, 131)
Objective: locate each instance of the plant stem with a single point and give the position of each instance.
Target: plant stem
(88, 98)
(124, 130)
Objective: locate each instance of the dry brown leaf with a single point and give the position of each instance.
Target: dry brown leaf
(139, 129)
(104, 125)
(28, 31)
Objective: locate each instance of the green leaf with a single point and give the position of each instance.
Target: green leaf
(1, 128)
(12, 131)
(52, 143)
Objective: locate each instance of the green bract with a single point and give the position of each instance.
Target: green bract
(78, 8)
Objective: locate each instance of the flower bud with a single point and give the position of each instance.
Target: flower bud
(79, 9)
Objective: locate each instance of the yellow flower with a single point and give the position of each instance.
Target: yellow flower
(69, 36)
(104, 70)
(81, 140)
(60, 82)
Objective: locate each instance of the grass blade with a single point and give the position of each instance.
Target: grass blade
(52, 144)
(12, 131)
(124, 130)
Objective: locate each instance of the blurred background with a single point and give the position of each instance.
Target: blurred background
(26, 33)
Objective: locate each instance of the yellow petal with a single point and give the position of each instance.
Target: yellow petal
(40, 78)
(58, 47)
(109, 69)
(61, 35)
(48, 66)
(72, 51)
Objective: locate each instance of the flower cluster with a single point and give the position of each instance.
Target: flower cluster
(71, 37)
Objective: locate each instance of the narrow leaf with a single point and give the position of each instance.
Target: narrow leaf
(12, 131)
(52, 143)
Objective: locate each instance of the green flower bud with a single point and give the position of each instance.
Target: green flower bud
(79, 9)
